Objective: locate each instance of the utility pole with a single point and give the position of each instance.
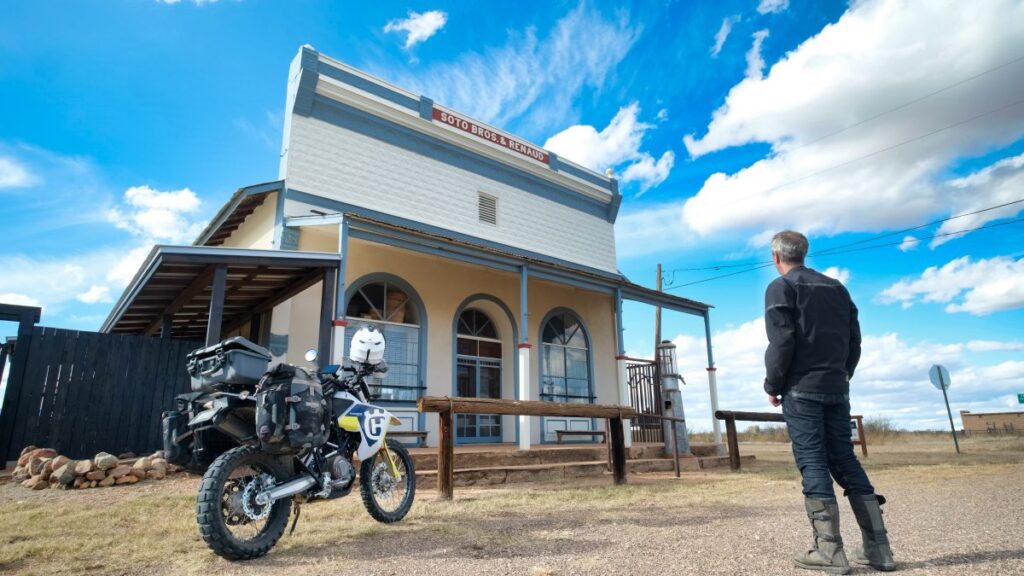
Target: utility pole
(657, 313)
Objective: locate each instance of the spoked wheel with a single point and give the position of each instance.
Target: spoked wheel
(233, 524)
(388, 498)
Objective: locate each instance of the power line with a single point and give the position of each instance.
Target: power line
(910, 103)
(826, 251)
(863, 248)
(875, 153)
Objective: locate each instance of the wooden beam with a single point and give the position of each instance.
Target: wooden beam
(749, 416)
(214, 323)
(734, 444)
(618, 443)
(269, 303)
(196, 287)
(522, 407)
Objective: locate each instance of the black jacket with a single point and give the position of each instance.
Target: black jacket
(813, 334)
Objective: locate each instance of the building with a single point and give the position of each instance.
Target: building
(488, 262)
(1011, 423)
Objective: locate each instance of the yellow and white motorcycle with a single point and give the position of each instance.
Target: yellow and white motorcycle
(308, 430)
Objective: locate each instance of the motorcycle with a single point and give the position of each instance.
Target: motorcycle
(298, 437)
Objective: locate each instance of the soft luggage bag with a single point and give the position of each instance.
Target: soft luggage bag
(235, 362)
(291, 413)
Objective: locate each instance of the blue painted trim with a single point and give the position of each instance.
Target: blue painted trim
(305, 92)
(337, 206)
(584, 283)
(282, 195)
(540, 360)
(339, 303)
(467, 303)
(366, 85)
(392, 133)
(619, 328)
(524, 303)
(414, 297)
(613, 208)
(707, 334)
(426, 108)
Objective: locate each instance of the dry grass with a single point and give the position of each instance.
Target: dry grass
(150, 528)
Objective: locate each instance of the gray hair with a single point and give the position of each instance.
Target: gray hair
(790, 246)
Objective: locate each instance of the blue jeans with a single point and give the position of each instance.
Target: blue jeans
(819, 428)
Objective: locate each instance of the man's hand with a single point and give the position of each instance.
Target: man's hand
(775, 400)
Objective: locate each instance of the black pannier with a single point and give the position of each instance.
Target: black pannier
(175, 425)
(291, 413)
(235, 362)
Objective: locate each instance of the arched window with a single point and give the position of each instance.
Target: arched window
(565, 360)
(478, 374)
(395, 311)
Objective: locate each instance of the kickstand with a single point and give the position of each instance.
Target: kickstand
(295, 517)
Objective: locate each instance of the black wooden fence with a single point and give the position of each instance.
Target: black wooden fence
(85, 392)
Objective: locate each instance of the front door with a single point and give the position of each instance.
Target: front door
(478, 375)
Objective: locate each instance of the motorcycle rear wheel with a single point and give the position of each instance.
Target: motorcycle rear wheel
(231, 523)
(385, 498)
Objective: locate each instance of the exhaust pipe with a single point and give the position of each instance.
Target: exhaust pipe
(286, 490)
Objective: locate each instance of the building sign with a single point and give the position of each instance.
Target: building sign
(491, 136)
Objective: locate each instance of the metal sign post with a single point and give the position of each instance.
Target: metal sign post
(940, 378)
(1020, 398)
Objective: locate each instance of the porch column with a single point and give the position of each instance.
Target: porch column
(213, 326)
(712, 380)
(338, 351)
(620, 368)
(524, 358)
(327, 294)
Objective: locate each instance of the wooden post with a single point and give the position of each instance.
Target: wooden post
(860, 434)
(734, 444)
(446, 456)
(618, 442)
(327, 296)
(213, 326)
(167, 326)
(675, 452)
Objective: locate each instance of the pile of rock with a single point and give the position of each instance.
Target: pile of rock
(40, 468)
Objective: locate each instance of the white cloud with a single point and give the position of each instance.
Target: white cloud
(534, 81)
(615, 146)
(881, 387)
(993, 346)
(648, 171)
(772, 6)
(19, 300)
(13, 174)
(909, 243)
(833, 166)
(95, 294)
(158, 216)
(723, 34)
(420, 26)
(980, 287)
(755, 62)
(841, 274)
(1000, 183)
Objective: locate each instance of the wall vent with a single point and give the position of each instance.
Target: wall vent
(487, 208)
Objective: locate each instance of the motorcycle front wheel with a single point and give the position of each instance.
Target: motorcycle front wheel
(388, 498)
(230, 520)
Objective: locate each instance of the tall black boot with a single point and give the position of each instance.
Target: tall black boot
(876, 551)
(827, 554)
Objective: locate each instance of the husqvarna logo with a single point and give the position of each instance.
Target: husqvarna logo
(374, 423)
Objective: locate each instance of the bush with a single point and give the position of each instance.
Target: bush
(880, 430)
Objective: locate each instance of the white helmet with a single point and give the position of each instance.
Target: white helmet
(367, 346)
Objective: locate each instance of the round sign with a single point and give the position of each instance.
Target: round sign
(939, 376)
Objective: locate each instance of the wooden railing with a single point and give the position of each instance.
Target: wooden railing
(447, 407)
(730, 417)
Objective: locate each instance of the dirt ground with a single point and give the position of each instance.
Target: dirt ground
(947, 515)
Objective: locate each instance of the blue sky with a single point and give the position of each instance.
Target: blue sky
(128, 123)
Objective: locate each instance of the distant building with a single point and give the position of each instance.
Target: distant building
(993, 422)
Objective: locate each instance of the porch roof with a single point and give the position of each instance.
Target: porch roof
(176, 282)
(364, 227)
(242, 203)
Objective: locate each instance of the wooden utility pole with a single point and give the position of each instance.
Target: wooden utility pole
(657, 313)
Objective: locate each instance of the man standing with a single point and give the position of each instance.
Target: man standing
(813, 349)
